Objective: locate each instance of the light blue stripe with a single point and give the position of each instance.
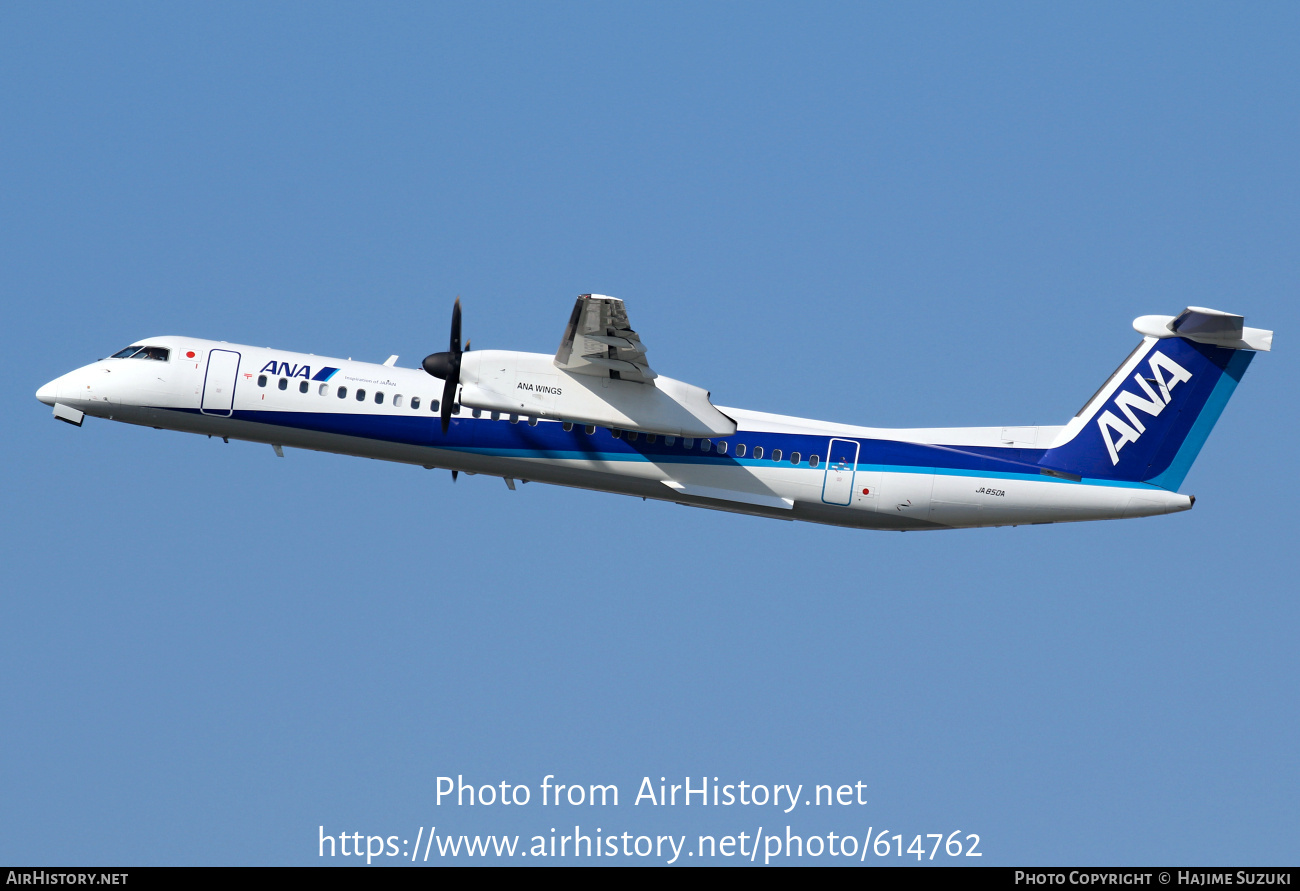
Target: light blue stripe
(760, 463)
(1038, 477)
(1177, 470)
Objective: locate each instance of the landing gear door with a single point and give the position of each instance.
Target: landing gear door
(841, 465)
(219, 383)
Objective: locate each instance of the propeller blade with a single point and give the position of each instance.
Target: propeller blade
(446, 366)
(454, 474)
(448, 395)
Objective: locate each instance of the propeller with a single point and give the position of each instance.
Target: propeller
(446, 367)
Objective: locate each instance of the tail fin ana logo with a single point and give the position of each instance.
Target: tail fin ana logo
(1153, 404)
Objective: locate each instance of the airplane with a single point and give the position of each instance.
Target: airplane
(596, 416)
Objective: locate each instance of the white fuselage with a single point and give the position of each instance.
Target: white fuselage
(774, 466)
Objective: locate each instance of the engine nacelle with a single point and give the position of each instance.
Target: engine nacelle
(530, 384)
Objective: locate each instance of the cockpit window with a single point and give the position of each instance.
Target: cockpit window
(161, 354)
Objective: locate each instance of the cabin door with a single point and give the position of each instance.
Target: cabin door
(219, 383)
(841, 464)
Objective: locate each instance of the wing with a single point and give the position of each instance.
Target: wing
(600, 342)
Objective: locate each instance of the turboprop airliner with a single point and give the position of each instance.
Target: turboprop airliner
(596, 416)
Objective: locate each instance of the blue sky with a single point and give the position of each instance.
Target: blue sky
(894, 216)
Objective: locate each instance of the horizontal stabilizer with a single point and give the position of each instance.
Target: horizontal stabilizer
(1210, 326)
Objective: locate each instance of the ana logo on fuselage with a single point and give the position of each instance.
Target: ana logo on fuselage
(1154, 403)
(284, 369)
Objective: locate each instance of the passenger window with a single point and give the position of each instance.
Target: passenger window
(740, 450)
(794, 457)
(589, 429)
(435, 404)
(669, 440)
(631, 437)
(650, 437)
(302, 386)
(455, 408)
(705, 445)
(324, 389)
(477, 413)
(514, 419)
(532, 422)
(284, 383)
(722, 448)
(813, 460)
(688, 443)
(758, 451)
(397, 401)
(361, 395)
(261, 380)
(496, 415)
(415, 402)
(343, 392)
(615, 432)
(776, 454)
(568, 425)
(379, 397)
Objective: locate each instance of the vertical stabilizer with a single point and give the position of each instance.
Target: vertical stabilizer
(1149, 420)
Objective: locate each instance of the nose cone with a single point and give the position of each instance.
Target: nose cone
(47, 393)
